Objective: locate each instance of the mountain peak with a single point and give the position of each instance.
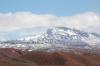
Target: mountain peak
(57, 38)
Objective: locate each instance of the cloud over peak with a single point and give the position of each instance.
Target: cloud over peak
(11, 21)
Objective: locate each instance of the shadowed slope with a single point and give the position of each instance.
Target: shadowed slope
(63, 58)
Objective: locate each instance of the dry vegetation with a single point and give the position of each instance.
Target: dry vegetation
(13, 57)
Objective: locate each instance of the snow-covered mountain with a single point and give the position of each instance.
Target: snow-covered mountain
(56, 39)
(63, 35)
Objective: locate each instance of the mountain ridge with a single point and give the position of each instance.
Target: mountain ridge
(56, 38)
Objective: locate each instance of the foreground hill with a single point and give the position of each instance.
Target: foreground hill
(14, 57)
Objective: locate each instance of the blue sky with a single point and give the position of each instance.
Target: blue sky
(57, 7)
(25, 17)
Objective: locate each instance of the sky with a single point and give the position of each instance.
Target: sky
(57, 7)
(20, 18)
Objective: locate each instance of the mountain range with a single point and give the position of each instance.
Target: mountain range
(56, 38)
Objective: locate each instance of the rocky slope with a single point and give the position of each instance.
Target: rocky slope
(15, 57)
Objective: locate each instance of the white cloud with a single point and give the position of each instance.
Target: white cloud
(11, 21)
